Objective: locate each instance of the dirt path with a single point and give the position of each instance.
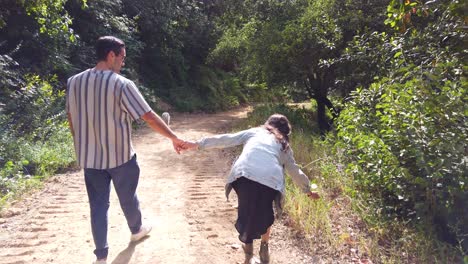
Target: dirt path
(182, 196)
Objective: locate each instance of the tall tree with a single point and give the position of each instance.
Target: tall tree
(293, 44)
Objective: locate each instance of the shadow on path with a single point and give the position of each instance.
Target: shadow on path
(125, 255)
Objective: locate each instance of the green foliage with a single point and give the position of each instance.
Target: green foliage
(416, 14)
(51, 16)
(101, 18)
(212, 90)
(35, 109)
(25, 160)
(399, 13)
(33, 136)
(8, 77)
(301, 119)
(428, 39)
(405, 141)
(36, 144)
(403, 132)
(36, 37)
(292, 45)
(366, 57)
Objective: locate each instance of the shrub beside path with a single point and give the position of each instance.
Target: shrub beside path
(182, 196)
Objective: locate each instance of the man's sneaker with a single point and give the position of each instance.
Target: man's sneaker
(100, 262)
(144, 230)
(166, 117)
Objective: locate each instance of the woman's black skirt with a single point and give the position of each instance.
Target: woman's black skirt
(255, 210)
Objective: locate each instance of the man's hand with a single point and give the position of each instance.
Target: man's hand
(178, 145)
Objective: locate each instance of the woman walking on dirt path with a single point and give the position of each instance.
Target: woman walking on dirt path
(257, 177)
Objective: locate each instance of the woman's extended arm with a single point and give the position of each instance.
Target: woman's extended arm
(225, 140)
(297, 175)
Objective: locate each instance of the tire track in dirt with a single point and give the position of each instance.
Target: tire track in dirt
(182, 196)
(29, 230)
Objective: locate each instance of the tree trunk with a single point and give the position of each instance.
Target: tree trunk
(322, 119)
(317, 88)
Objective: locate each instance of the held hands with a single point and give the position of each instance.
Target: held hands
(181, 145)
(190, 145)
(178, 145)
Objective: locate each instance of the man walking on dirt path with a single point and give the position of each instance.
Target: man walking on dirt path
(101, 105)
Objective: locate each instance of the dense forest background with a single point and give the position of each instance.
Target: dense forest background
(386, 78)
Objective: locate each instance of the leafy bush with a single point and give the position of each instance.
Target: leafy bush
(300, 118)
(24, 160)
(405, 141)
(214, 90)
(34, 137)
(34, 109)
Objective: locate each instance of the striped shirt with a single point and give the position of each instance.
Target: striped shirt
(102, 106)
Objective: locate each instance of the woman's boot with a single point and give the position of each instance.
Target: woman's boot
(264, 253)
(248, 250)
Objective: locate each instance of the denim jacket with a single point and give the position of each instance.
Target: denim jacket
(261, 160)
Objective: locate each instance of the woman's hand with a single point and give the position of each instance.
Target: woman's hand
(313, 195)
(188, 145)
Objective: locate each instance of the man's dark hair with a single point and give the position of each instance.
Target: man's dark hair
(107, 44)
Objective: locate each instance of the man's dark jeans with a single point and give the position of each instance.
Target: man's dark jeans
(125, 178)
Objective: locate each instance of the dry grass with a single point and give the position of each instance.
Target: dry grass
(343, 229)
